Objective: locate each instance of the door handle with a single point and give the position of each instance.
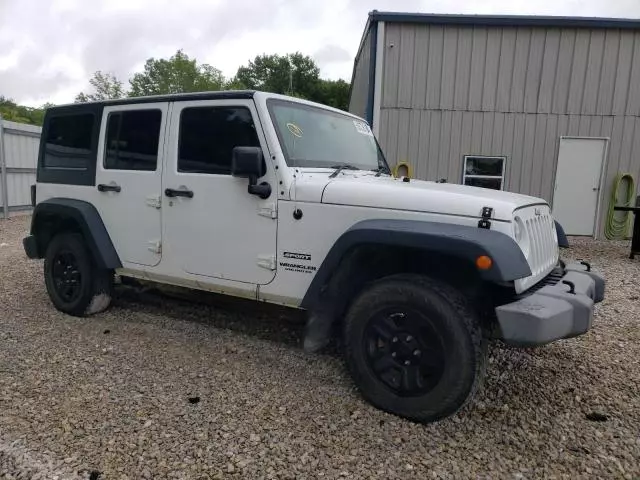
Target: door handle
(109, 188)
(172, 192)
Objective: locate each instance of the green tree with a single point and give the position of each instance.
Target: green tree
(178, 74)
(235, 84)
(13, 112)
(334, 93)
(106, 87)
(291, 74)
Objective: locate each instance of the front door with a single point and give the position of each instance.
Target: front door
(212, 226)
(128, 179)
(577, 185)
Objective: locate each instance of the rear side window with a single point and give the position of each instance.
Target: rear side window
(68, 142)
(208, 136)
(132, 140)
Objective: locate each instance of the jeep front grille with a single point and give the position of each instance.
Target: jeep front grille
(542, 251)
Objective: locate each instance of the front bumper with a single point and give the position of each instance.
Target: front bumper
(553, 312)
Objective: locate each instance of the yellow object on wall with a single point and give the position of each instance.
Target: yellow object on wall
(399, 165)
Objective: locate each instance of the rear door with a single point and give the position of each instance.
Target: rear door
(128, 180)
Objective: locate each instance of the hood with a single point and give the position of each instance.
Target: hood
(367, 190)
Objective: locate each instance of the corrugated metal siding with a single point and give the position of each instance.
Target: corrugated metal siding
(20, 145)
(511, 70)
(509, 91)
(19, 190)
(360, 85)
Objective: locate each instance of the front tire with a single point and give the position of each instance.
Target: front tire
(74, 283)
(414, 347)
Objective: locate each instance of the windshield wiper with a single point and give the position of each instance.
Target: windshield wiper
(380, 170)
(340, 168)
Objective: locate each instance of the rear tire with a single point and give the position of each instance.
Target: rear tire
(414, 347)
(74, 283)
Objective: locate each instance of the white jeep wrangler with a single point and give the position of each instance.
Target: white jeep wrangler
(286, 201)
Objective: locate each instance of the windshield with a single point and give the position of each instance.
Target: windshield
(315, 137)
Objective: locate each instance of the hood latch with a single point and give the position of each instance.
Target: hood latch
(486, 215)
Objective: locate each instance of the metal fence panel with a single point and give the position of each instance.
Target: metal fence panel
(19, 145)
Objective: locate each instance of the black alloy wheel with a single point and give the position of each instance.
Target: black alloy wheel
(66, 276)
(414, 346)
(76, 285)
(404, 351)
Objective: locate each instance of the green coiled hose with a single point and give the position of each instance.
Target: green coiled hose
(615, 228)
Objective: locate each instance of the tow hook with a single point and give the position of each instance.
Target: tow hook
(572, 286)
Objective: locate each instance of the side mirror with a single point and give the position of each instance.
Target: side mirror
(248, 162)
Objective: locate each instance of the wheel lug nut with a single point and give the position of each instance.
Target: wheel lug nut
(394, 339)
(394, 354)
(409, 338)
(416, 353)
(407, 362)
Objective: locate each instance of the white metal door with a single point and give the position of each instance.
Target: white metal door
(577, 185)
(128, 179)
(219, 230)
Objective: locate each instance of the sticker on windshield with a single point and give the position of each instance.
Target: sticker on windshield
(362, 128)
(295, 130)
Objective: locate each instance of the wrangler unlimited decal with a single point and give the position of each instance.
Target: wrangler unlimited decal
(296, 267)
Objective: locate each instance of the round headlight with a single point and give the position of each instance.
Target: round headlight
(521, 236)
(517, 230)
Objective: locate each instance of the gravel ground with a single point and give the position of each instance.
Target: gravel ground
(111, 396)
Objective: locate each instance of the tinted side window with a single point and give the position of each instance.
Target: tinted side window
(68, 142)
(208, 136)
(132, 140)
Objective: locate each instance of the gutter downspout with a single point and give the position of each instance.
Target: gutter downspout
(377, 85)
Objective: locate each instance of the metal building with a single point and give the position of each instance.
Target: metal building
(18, 159)
(546, 106)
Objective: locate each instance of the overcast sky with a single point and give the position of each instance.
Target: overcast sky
(50, 48)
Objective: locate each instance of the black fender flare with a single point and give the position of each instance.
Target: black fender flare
(85, 215)
(458, 241)
(563, 242)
